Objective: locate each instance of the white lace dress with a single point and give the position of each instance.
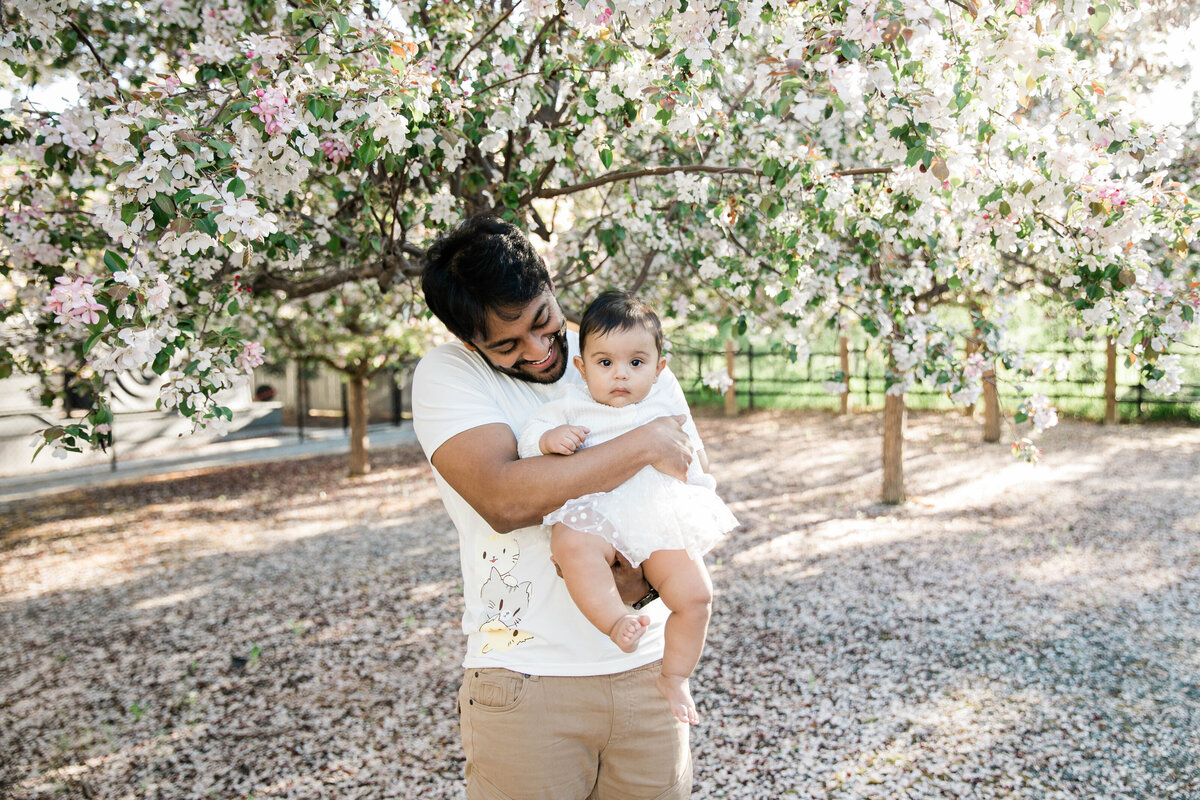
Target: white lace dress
(650, 511)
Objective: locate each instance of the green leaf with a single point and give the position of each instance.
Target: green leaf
(995, 194)
(237, 187)
(1099, 19)
(606, 158)
(368, 152)
(91, 341)
(221, 146)
(161, 362)
(114, 262)
(341, 23)
(164, 209)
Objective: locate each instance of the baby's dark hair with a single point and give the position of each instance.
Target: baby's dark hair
(618, 311)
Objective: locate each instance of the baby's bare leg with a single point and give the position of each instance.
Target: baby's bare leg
(586, 564)
(685, 587)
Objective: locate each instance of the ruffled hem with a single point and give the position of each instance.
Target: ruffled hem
(650, 512)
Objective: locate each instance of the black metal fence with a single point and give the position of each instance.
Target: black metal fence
(767, 377)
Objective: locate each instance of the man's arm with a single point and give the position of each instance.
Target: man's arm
(481, 464)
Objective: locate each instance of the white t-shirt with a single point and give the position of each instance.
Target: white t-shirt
(518, 613)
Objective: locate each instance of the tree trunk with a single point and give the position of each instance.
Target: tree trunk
(972, 348)
(893, 449)
(844, 360)
(358, 412)
(991, 404)
(731, 401)
(1110, 384)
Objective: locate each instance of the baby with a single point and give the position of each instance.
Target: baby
(654, 520)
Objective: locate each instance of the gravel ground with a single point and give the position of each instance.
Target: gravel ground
(281, 631)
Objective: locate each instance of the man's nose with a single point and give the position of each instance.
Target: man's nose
(536, 346)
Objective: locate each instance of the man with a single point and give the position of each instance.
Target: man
(550, 707)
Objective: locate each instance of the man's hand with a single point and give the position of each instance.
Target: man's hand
(563, 440)
(671, 448)
(631, 583)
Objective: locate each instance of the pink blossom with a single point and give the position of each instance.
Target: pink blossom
(336, 150)
(73, 302)
(1113, 195)
(1023, 7)
(273, 108)
(253, 354)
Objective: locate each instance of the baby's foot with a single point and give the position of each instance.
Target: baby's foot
(628, 630)
(679, 696)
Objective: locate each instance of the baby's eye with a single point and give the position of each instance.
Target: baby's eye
(604, 362)
(637, 362)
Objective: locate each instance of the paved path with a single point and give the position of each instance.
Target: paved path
(279, 446)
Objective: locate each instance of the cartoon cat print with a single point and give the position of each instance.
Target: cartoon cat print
(501, 551)
(503, 596)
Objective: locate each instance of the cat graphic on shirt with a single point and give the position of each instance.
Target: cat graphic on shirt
(504, 598)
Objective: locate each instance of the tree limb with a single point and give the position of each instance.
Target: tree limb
(486, 34)
(849, 173)
(83, 37)
(629, 175)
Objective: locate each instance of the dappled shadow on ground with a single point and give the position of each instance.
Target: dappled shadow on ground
(247, 628)
(281, 631)
(1010, 632)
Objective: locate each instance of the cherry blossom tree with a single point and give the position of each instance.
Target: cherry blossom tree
(358, 331)
(767, 164)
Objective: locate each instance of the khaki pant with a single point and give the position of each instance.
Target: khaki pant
(603, 737)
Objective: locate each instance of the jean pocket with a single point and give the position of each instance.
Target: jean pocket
(495, 689)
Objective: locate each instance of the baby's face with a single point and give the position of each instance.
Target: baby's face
(621, 366)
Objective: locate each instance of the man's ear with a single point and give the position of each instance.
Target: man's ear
(468, 345)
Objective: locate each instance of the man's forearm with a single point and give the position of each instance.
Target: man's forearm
(533, 487)
(481, 464)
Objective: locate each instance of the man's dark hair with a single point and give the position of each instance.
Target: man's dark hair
(483, 264)
(618, 311)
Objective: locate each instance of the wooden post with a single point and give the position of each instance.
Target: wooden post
(731, 401)
(357, 412)
(301, 398)
(991, 404)
(844, 363)
(1110, 383)
(893, 449)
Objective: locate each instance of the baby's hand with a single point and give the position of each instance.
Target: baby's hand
(563, 440)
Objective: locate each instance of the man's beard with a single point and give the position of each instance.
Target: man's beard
(558, 343)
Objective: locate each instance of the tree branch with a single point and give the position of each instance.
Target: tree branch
(629, 175)
(83, 37)
(850, 173)
(537, 40)
(486, 34)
